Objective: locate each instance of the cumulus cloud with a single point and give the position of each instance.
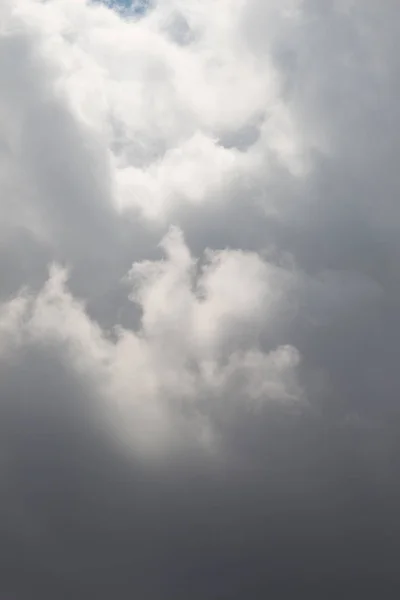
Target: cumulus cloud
(197, 341)
(199, 295)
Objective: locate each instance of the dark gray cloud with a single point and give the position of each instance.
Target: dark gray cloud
(219, 420)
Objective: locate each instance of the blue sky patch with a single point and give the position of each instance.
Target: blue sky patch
(137, 7)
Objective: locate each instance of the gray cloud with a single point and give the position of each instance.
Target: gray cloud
(214, 416)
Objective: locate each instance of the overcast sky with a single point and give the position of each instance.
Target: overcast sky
(199, 299)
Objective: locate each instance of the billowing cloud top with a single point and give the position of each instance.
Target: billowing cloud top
(199, 249)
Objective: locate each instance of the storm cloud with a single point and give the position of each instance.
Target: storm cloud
(199, 299)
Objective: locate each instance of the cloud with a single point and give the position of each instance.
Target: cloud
(199, 295)
(181, 358)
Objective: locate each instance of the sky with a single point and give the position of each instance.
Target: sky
(199, 300)
(136, 7)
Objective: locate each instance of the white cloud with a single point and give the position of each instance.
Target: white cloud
(197, 340)
(162, 107)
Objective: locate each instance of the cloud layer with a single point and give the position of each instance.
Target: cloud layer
(199, 299)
